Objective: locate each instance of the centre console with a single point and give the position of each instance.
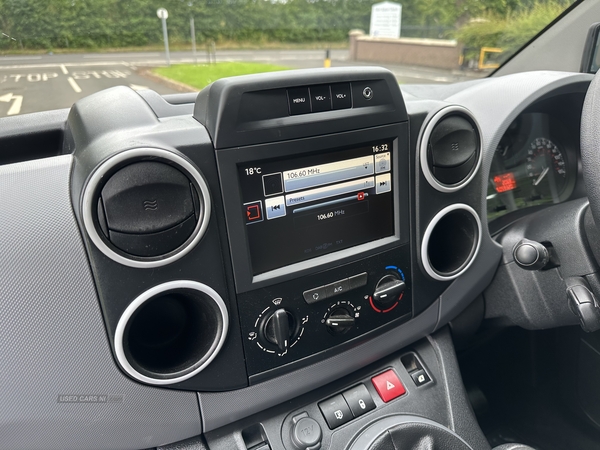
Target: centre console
(318, 226)
(267, 231)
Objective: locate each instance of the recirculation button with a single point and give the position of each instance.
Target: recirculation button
(149, 208)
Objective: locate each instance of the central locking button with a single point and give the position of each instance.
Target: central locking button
(359, 400)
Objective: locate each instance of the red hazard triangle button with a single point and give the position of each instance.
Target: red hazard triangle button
(388, 385)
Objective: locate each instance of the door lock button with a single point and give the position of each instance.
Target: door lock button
(359, 400)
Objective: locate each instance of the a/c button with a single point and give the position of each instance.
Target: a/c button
(337, 288)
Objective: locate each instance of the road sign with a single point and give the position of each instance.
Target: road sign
(162, 13)
(385, 20)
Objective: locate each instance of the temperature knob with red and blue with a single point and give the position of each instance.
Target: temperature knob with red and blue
(389, 290)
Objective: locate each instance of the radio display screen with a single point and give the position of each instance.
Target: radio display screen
(304, 207)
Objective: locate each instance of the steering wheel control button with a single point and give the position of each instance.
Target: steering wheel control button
(320, 98)
(357, 281)
(315, 295)
(359, 400)
(147, 197)
(341, 97)
(299, 101)
(336, 412)
(388, 385)
(420, 377)
(531, 255)
(306, 433)
(367, 93)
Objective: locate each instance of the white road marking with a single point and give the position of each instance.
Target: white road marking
(74, 85)
(15, 108)
(137, 87)
(64, 69)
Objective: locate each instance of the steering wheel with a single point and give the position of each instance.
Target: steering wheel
(590, 146)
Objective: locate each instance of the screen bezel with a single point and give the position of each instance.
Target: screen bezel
(228, 161)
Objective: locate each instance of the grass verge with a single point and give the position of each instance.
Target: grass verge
(201, 75)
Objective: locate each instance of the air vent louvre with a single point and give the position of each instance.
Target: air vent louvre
(451, 149)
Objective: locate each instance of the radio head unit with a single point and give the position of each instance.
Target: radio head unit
(307, 190)
(306, 206)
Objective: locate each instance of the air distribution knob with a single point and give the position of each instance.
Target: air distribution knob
(279, 328)
(340, 320)
(388, 291)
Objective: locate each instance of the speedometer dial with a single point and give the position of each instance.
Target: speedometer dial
(546, 168)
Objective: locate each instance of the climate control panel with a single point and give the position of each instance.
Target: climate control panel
(287, 322)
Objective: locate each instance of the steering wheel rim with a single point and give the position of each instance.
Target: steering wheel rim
(590, 146)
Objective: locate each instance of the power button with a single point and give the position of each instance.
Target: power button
(367, 93)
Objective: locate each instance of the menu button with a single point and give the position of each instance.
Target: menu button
(299, 101)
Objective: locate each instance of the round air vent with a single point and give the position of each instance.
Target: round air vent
(451, 242)
(451, 149)
(146, 207)
(171, 332)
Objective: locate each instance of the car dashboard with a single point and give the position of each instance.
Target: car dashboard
(221, 267)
